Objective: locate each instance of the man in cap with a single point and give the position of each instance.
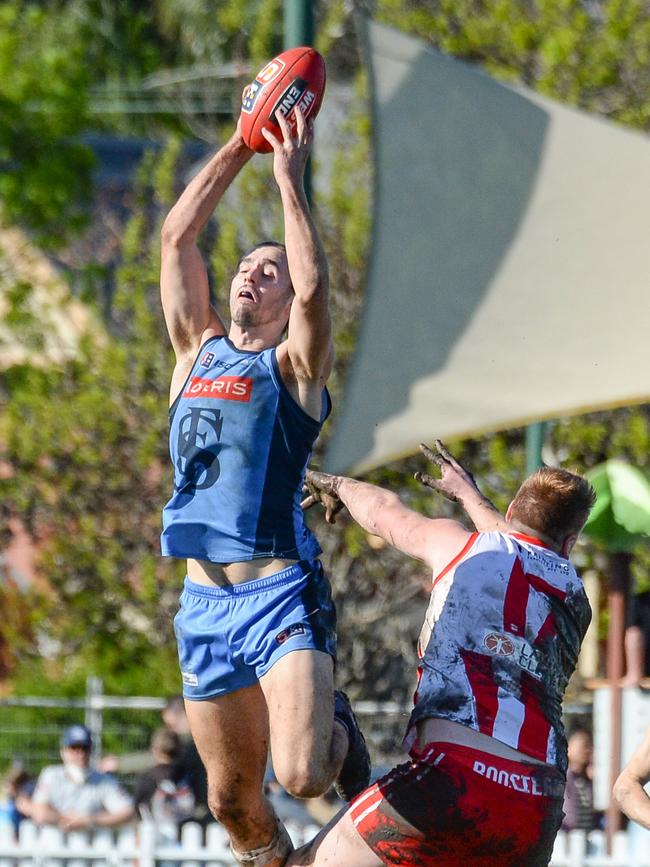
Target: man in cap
(73, 796)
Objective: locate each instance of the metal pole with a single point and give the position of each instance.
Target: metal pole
(298, 23)
(299, 30)
(617, 593)
(94, 712)
(534, 444)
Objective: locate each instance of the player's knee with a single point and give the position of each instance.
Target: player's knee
(302, 779)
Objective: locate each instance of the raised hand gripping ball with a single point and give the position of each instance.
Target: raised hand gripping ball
(295, 77)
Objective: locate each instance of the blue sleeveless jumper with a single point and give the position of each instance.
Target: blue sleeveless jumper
(239, 444)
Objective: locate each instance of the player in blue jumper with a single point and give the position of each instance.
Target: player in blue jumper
(256, 625)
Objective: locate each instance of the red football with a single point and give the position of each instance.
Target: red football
(295, 77)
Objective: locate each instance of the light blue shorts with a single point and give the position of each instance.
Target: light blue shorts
(228, 637)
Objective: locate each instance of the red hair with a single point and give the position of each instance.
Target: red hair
(554, 502)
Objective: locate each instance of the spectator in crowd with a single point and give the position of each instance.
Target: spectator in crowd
(163, 793)
(73, 796)
(637, 639)
(579, 813)
(175, 719)
(18, 790)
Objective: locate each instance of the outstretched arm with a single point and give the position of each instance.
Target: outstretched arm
(457, 484)
(183, 278)
(382, 513)
(628, 789)
(308, 350)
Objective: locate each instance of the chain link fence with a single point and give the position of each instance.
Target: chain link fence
(31, 726)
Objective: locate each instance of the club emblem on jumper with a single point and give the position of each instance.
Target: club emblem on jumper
(498, 644)
(199, 432)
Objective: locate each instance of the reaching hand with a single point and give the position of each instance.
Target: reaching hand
(455, 481)
(322, 488)
(291, 154)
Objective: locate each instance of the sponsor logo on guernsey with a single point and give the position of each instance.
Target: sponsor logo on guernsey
(499, 644)
(208, 358)
(529, 660)
(523, 654)
(290, 632)
(549, 563)
(237, 388)
(526, 784)
(189, 678)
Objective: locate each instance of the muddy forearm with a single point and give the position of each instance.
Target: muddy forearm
(483, 513)
(370, 506)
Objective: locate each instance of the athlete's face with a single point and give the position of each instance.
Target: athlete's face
(260, 292)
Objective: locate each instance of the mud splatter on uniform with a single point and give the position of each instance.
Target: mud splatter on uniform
(500, 640)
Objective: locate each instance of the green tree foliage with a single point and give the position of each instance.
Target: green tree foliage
(44, 176)
(211, 32)
(87, 446)
(51, 55)
(591, 54)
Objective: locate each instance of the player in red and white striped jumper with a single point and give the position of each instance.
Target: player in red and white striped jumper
(500, 640)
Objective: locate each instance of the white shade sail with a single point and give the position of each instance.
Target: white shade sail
(508, 279)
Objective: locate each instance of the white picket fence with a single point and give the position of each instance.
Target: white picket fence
(145, 846)
(578, 849)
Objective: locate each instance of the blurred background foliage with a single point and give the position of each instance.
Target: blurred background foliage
(83, 443)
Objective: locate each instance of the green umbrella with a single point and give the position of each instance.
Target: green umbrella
(621, 514)
(619, 519)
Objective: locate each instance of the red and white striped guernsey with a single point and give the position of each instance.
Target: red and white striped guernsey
(500, 641)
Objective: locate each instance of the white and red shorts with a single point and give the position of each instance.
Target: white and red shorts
(452, 806)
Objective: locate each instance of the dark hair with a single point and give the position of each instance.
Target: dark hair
(17, 778)
(579, 729)
(554, 502)
(265, 244)
(277, 244)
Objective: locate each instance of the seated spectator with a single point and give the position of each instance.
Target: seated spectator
(175, 719)
(73, 796)
(578, 795)
(163, 793)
